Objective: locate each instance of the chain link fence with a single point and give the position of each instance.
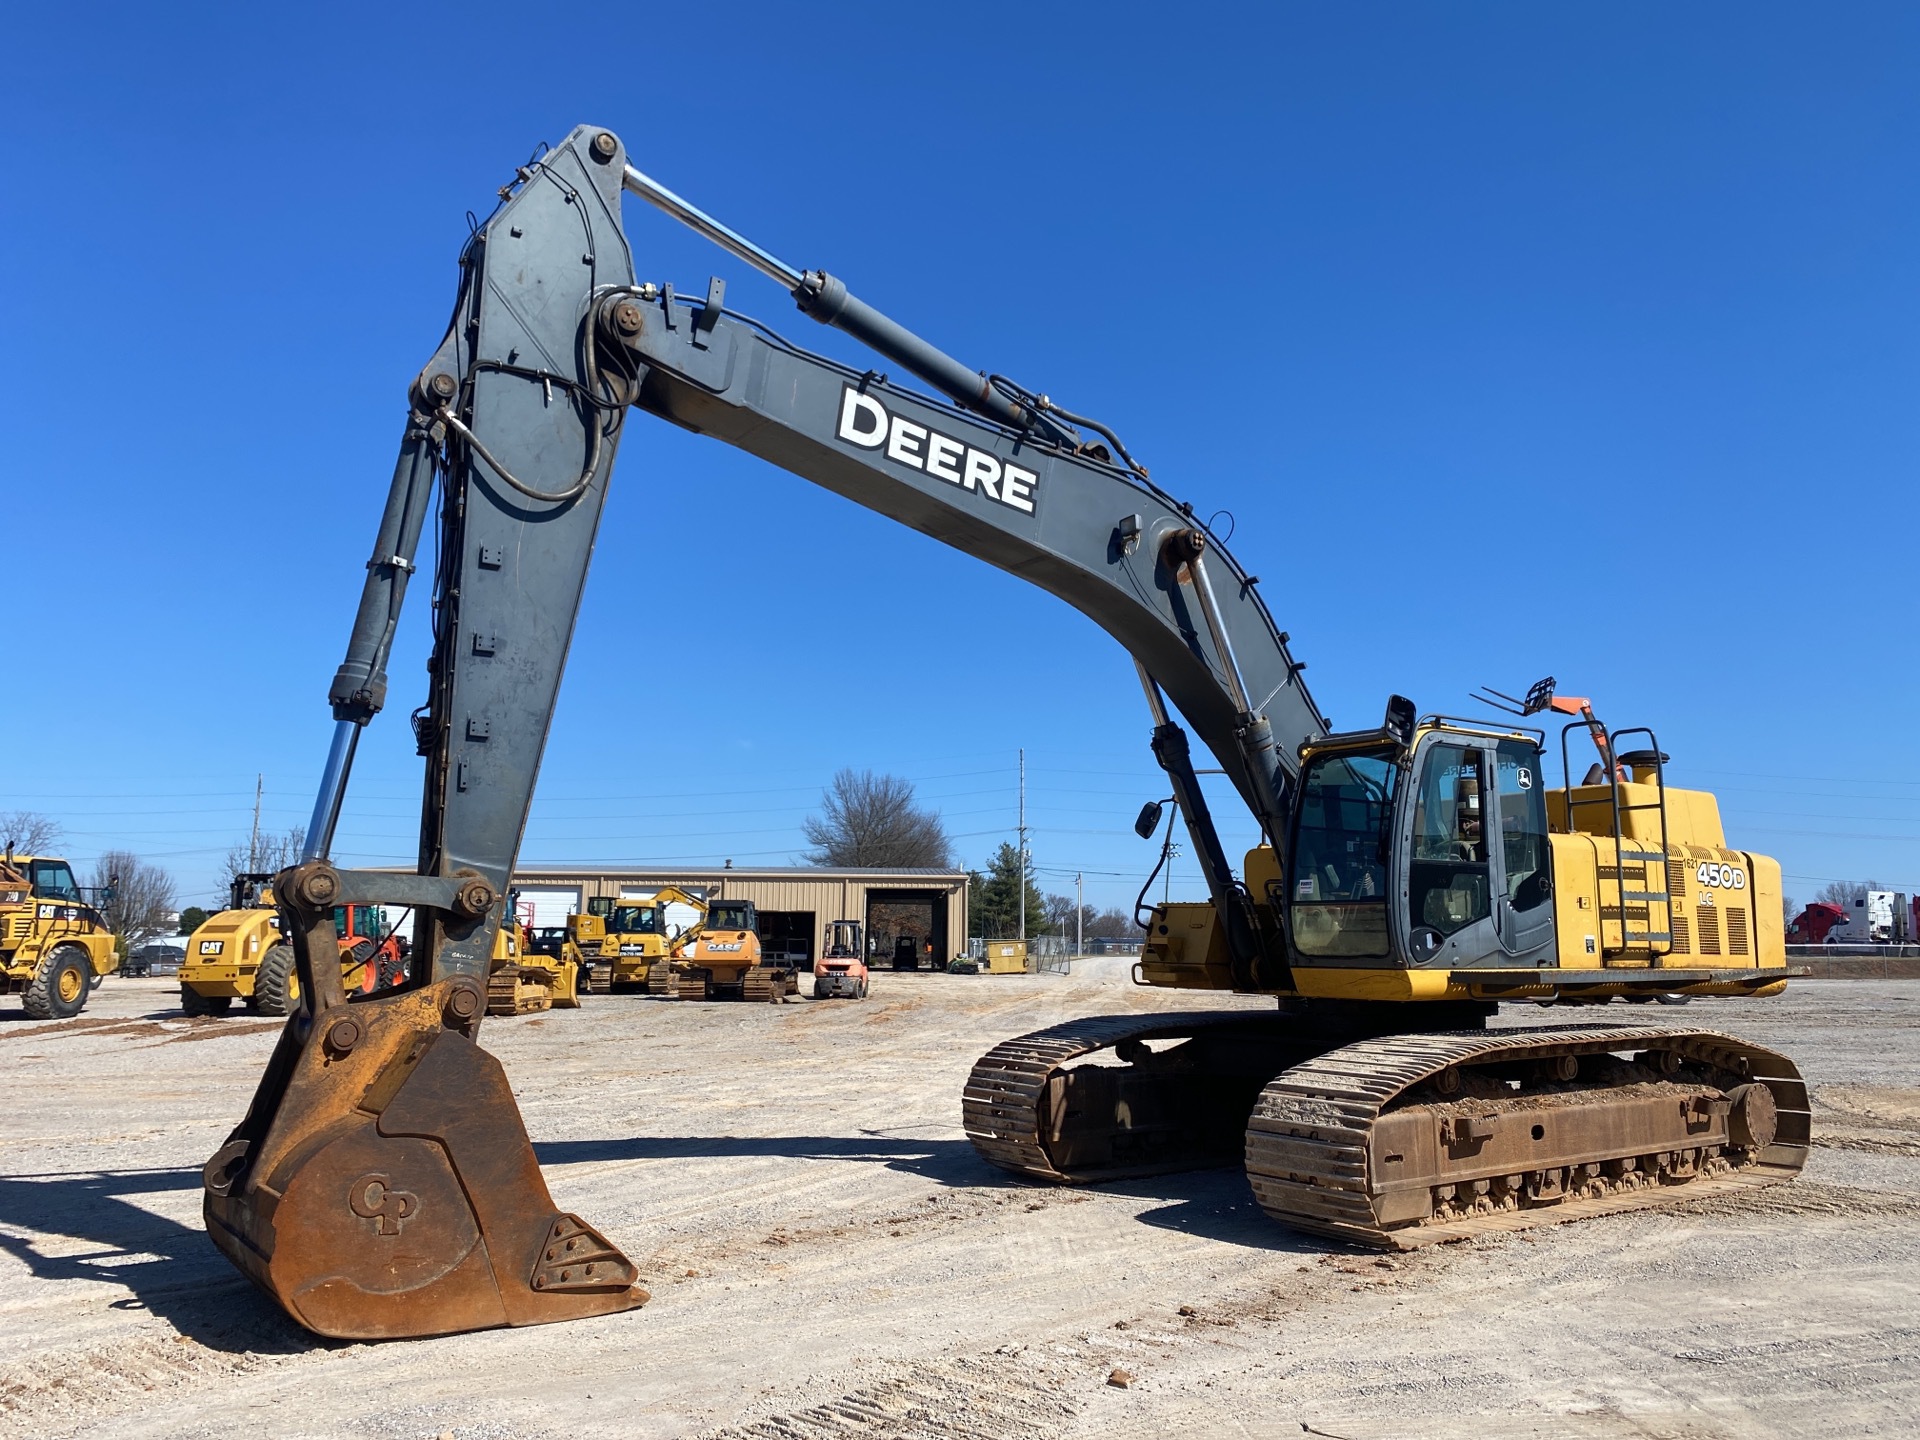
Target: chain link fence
(1055, 954)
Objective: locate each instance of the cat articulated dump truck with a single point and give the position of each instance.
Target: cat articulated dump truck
(721, 959)
(1409, 877)
(54, 942)
(239, 954)
(639, 937)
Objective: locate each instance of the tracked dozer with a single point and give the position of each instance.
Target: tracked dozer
(722, 959)
(1409, 878)
(639, 940)
(523, 979)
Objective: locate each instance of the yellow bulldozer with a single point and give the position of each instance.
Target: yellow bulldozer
(54, 942)
(530, 975)
(721, 959)
(239, 954)
(637, 935)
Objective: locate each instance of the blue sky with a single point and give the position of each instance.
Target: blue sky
(1516, 339)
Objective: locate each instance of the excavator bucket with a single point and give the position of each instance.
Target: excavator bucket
(382, 1184)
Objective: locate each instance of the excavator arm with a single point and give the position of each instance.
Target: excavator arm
(381, 1183)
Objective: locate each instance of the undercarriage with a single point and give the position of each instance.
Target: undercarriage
(1395, 1140)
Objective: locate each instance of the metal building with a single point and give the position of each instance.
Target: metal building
(795, 902)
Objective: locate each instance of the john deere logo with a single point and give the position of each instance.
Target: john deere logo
(374, 1198)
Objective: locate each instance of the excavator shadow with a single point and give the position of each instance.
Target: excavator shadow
(171, 1269)
(1215, 1204)
(943, 1162)
(1218, 1204)
(80, 1023)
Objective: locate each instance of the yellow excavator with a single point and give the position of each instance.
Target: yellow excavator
(1434, 872)
(1410, 876)
(55, 946)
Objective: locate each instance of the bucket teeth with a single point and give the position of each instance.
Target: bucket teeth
(578, 1257)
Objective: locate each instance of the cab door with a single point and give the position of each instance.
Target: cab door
(1451, 871)
(1523, 886)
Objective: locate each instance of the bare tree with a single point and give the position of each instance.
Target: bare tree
(28, 832)
(1848, 893)
(869, 819)
(139, 903)
(266, 854)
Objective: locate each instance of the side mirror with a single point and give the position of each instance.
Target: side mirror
(1400, 720)
(1148, 820)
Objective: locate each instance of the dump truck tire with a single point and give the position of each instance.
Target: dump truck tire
(196, 1004)
(276, 987)
(59, 988)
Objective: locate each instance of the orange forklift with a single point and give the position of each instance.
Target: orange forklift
(841, 971)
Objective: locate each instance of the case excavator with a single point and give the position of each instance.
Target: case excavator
(1408, 879)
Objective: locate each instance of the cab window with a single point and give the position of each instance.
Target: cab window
(53, 880)
(1448, 887)
(1340, 852)
(634, 920)
(359, 920)
(731, 917)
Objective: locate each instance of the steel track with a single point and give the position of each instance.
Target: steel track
(1308, 1141)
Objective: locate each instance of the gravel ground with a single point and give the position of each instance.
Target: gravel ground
(828, 1257)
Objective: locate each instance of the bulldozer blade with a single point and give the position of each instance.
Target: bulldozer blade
(382, 1185)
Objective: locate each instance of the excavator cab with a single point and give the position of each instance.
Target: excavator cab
(1455, 823)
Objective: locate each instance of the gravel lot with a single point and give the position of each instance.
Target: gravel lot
(829, 1258)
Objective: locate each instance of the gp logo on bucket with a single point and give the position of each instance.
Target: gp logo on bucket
(865, 422)
(1721, 877)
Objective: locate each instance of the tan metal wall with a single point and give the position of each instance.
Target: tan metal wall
(830, 895)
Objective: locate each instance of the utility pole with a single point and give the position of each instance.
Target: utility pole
(1023, 845)
(253, 840)
(1079, 914)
